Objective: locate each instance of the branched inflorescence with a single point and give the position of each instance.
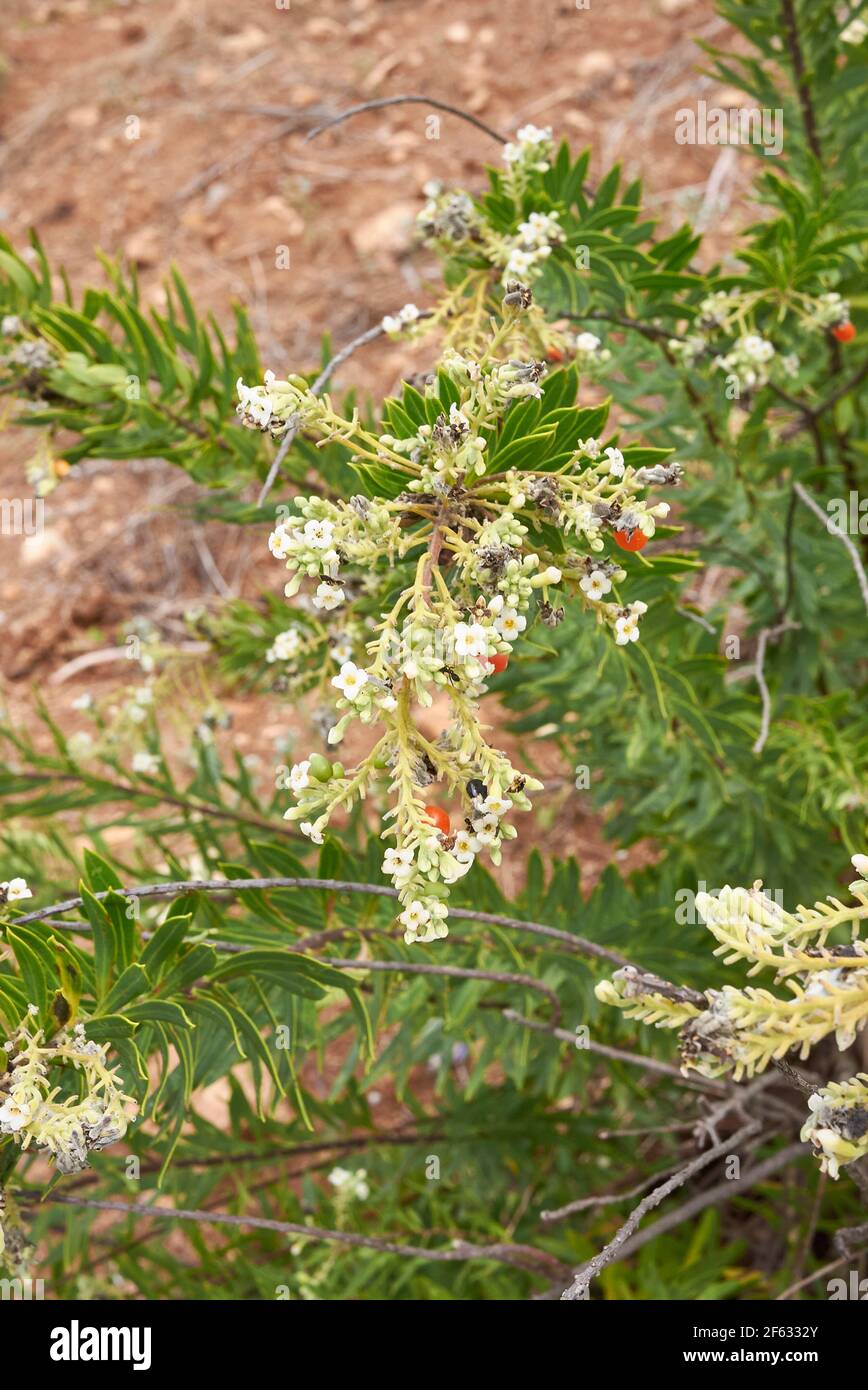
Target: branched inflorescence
(483, 570)
(33, 1110)
(742, 1030)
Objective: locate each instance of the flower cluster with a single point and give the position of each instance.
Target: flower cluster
(475, 587)
(395, 324)
(740, 1031)
(838, 1123)
(589, 353)
(855, 32)
(748, 361)
(32, 1111)
(321, 535)
(827, 311)
(531, 151)
(752, 359)
(350, 1183)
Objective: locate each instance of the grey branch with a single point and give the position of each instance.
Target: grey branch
(767, 634)
(578, 1288)
(240, 885)
(414, 100)
(615, 1054)
(369, 336)
(713, 1196)
(834, 530)
(522, 1256)
(454, 972)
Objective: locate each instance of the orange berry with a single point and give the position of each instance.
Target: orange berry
(499, 661)
(844, 332)
(631, 540)
(437, 816)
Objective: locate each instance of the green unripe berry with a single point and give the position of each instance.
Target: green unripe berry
(320, 767)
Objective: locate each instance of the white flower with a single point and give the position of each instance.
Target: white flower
(14, 1115)
(354, 1184)
(534, 134)
(147, 763)
(14, 890)
(540, 229)
(309, 828)
(587, 342)
(591, 447)
(341, 650)
(626, 630)
(254, 404)
(595, 585)
(860, 864)
(398, 863)
(855, 32)
(318, 534)
(496, 805)
(299, 777)
(519, 263)
(487, 828)
(616, 462)
(530, 141)
(415, 916)
(285, 645)
(83, 701)
(465, 846)
(280, 543)
(756, 349)
(510, 624)
(471, 639)
(328, 596)
(393, 323)
(351, 680)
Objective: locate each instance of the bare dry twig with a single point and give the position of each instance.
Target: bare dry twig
(581, 1280)
(413, 100)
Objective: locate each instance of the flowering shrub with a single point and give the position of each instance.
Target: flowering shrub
(485, 545)
(452, 489)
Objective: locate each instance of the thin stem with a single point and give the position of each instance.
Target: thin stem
(231, 886)
(413, 100)
(522, 1256)
(803, 88)
(579, 1286)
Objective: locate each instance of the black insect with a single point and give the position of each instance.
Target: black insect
(477, 790)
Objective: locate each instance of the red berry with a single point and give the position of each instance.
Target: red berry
(631, 540)
(437, 816)
(844, 332)
(498, 662)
